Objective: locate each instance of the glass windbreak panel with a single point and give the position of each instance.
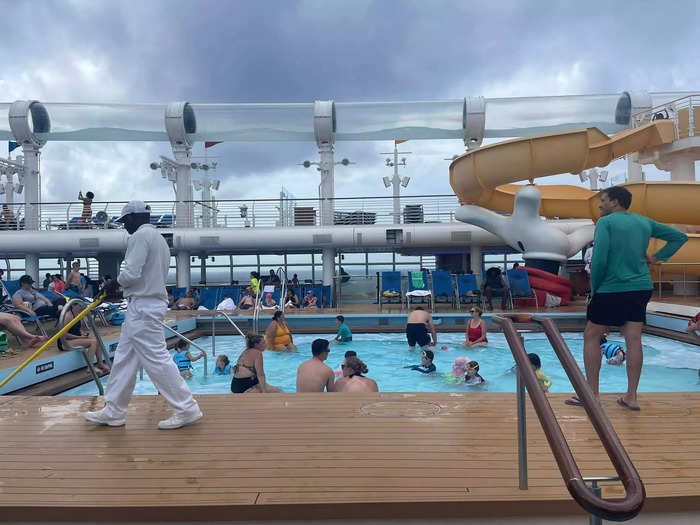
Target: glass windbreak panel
(242, 274)
(407, 259)
(520, 117)
(298, 258)
(5, 133)
(254, 122)
(95, 122)
(384, 257)
(438, 119)
(272, 260)
(303, 272)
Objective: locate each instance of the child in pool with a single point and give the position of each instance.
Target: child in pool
(613, 353)
(223, 366)
(472, 376)
(459, 370)
(544, 381)
(184, 359)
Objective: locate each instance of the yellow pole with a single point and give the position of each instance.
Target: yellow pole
(55, 338)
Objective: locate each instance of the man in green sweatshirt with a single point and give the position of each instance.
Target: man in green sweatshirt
(621, 285)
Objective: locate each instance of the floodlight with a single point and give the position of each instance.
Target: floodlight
(18, 188)
(2, 189)
(603, 176)
(204, 167)
(403, 160)
(583, 176)
(197, 185)
(404, 181)
(345, 162)
(387, 181)
(215, 184)
(194, 165)
(155, 166)
(306, 163)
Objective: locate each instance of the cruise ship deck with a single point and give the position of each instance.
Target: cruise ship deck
(328, 456)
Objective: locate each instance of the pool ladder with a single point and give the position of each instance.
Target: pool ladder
(219, 313)
(192, 343)
(588, 498)
(83, 351)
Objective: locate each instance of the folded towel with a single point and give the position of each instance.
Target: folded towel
(417, 280)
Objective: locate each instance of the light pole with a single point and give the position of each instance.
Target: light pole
(9, 168)
(325, 188)
(593, 176)
(205, 185)
(396, 181)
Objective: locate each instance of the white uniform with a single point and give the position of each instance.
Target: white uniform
(142, 342)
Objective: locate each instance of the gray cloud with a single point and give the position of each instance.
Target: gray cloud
(284, 51)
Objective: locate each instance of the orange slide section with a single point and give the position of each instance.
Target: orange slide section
(484, 177)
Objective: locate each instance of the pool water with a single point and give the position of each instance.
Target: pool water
(669, 366)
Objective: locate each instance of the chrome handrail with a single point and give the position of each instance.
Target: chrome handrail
(91, 319)
(204, 352)
(213, 328)
(616, 510)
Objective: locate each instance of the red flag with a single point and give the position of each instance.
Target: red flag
(210, 144)
(397, 142)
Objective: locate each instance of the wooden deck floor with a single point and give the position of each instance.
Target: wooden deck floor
(306, 456)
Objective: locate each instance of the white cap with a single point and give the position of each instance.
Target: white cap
(134, 207)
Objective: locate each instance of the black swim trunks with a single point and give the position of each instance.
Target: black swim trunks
(417, 333)
(241, 384)
(618, 308)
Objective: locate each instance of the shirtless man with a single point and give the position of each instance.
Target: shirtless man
(417, 326)
(186, 303)
(353, 380)
(313, 375)
(73, 282)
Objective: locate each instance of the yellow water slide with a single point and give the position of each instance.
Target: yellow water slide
(484, 177)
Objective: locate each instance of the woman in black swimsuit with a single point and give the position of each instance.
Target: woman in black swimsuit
(249, 373)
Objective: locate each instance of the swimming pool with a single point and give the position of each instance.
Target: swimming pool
(669, 366)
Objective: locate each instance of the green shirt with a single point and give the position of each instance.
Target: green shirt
(344, 333)
(620, 247)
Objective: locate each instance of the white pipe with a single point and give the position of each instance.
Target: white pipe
(217, 241)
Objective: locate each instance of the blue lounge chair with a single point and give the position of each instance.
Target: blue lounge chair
(390, 288)
(233, 291)
(519, 286)
(208, 298)
(467, 290)
(419, 289)
(443, 287)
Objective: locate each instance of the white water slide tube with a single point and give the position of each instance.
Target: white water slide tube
(441, 119)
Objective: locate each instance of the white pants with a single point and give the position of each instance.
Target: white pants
(142, 344)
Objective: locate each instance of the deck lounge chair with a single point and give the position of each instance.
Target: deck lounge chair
(467, 290)
(443, 287)
(389, 288)
(520, 286)
(418, 289)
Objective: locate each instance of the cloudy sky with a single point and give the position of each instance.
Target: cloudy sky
(299, 51)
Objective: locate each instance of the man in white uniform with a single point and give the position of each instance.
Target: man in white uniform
(142, 343)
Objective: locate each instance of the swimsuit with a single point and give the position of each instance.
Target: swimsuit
(473, 334)
(281, 339)
(417, 333)
(183, 363)
(240, 384)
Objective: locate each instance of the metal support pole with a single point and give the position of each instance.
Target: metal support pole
(213, 335)
(595, 488)
(522, 430)
(94, 375)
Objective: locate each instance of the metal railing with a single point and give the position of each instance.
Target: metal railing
(249, 213)
(616, 510)
(681, 110)
(670, 267)
(216, 314)
(192, 343)
(84, 352)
